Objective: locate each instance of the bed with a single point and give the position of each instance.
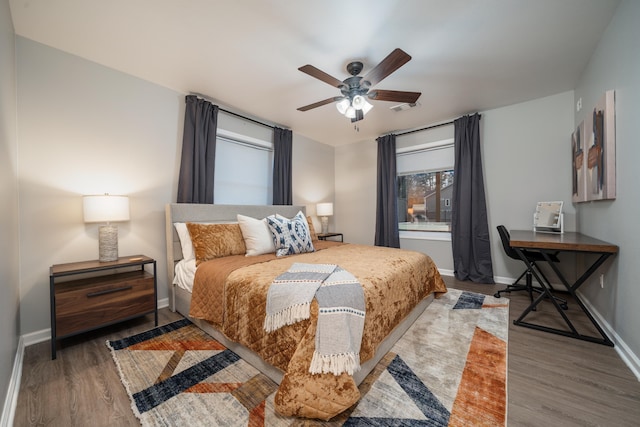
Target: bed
(393, 302)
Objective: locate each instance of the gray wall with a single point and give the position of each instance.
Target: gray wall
(86, 129)
(9, 271)
(526, 156)
(525, 149)
(313, 175)
(615, 65)
(355, 205)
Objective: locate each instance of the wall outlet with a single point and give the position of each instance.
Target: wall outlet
(602, 280)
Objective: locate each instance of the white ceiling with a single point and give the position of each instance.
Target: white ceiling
(468, 55)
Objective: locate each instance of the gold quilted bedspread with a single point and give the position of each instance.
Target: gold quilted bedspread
(231, 293)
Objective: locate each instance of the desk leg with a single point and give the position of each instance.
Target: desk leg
(52, 300)
(572, 290)
(155, 292)
(545, 293)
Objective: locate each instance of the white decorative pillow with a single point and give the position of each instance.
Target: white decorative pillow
(291, 236)
(256, 234)
(185, 241)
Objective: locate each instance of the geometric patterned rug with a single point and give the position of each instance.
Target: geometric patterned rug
(448, 369)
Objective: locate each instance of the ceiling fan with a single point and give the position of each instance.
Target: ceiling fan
(355, 89)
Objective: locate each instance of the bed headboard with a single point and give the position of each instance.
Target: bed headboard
(191, 212)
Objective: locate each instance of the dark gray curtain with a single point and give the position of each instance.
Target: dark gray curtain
(282, 153)
(469, 225)
(197, 166)
(387, 233)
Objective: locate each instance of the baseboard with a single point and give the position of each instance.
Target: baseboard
(626, 354)
(11, 400)
(503, 280)
(36, 337)
(444, 272)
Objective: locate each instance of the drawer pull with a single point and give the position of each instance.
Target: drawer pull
(108, 291)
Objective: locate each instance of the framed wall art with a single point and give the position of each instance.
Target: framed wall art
(594, 153)
(578, 175)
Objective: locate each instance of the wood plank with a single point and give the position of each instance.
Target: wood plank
(567, 241)
(94, 265)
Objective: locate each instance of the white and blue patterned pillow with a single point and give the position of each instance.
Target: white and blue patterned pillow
(291, 236)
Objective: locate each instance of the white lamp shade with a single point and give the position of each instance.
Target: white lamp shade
(105, 208)
(343, 105)
(350, 113)
(324, 209)
(358, 102)
(366, 107)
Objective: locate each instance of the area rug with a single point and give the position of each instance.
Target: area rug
(449, 369)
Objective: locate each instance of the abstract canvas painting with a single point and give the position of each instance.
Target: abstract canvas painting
(579, 176)
(593, 146)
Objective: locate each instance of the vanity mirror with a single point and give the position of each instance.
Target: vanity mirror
(548, 217)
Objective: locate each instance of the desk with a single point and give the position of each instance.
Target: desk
(548, 243)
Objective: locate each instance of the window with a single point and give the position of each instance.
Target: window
(243, 171)
(425, 186)
(424, 201)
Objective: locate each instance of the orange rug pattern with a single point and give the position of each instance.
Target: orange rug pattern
(449, 369)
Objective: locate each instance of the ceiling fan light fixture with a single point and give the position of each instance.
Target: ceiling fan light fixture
(353, 103)
(343, 105)
(350, 113)
(358, 102)
(366, 107)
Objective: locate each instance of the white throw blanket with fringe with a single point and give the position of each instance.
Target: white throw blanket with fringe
(341, 312)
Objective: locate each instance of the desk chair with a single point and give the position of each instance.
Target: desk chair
(532, 257)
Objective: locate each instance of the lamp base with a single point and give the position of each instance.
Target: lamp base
(108, 243)
(324, 221)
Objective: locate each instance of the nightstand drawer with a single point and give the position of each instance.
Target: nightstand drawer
(88, 303)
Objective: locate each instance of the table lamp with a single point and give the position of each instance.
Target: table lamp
(106, 208)
(324, 211)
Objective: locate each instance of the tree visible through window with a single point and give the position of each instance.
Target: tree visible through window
(424, 201)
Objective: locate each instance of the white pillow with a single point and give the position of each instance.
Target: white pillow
(185, 271)
(185, 241)
(256, 234)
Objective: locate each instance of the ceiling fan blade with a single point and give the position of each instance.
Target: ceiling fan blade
(321, 75)
(320, 103)
(392, 62)
(394, 96)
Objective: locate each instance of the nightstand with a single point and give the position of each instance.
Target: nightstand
(105, 293)
(326, 236)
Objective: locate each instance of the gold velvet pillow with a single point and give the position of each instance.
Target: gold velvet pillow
(215, 240)
(312, 230)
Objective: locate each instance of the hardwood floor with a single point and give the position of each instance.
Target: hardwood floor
(552, 380)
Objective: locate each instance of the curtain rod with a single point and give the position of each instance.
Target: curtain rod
(428, 127)
(245, 117)
(425, 128)
(206, 98)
